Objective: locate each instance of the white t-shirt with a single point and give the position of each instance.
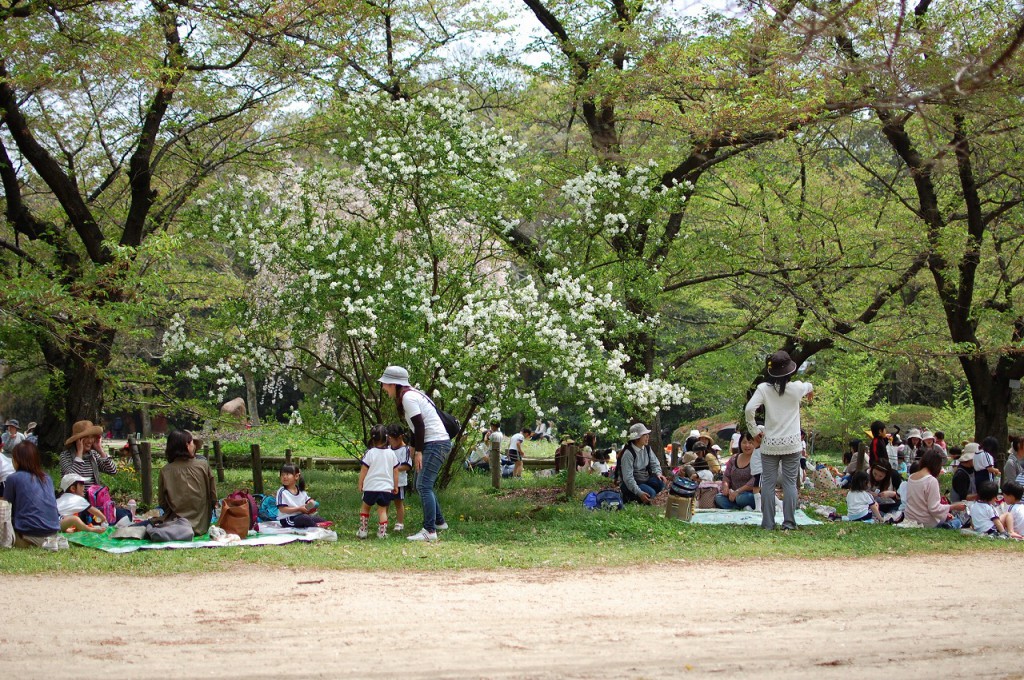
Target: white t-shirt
(1017, 510)
(71, 504)
(380, 469)
(902, 491)
(983, 460)
(416, 404)
(287, 499)
(982, 515)
(756, 466)
(403, 457)
(10, 441)
(734, 443)
(858, 503)
(6, 467)
(496, 436)
(781, 417)
(515, 440)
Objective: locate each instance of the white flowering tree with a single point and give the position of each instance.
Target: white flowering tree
(390, 258)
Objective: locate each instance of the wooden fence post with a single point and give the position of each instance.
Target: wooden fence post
(287, 456)
(570, 471)
(495, 460)
(146, 473)
(257, 469)
(675, 454)
(219, 460)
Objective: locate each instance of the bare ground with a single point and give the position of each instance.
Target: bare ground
(909, 617)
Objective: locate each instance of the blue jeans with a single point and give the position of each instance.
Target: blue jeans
(744, 499)
(434, 455)
(652, 487)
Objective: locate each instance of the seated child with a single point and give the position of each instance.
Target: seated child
(396, 440)
(1013, 520)
(599, 465)
(294, 506)
(860, 503)
(72, 502)
(984, 516)
(378, 482)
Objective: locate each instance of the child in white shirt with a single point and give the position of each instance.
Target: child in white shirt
(860, 503)
(1013, 520)
(396, 440)
(294, 506)
(378, 481)
(72, 503)
(984, 516)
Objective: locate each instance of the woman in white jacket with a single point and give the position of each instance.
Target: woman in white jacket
(780, 442)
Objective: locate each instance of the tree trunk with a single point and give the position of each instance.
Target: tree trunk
(251, 398)
(991, 395)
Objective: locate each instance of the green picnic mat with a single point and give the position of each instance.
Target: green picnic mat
(104, 542)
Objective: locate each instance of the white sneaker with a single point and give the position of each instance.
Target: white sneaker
(423, 535)
(399, 526)
(360, 533)
(442, 526)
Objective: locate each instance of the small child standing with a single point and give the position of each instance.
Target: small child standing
(378, 481)
(396, 440)
(1013, 520)
(294, 506)
(860, 503)
(984, 516)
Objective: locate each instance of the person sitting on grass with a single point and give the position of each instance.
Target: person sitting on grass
(378, 482)
(860, 503)
(1013, 519)
(964, 485)
(923, 498)
(737, 481)
(29, 490)
(294, 506)
(885, 484)
(638, 468)
(984, 515)
(72, 502)
(186, 487)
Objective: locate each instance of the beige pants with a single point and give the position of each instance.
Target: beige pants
(52, 542)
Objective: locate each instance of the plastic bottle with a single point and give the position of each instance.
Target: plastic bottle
(131, 508)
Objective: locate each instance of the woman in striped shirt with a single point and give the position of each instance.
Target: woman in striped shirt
(83, 454)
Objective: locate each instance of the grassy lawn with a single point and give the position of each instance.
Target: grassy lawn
(523, 525)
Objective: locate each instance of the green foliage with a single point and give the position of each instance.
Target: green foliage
(842, 408)
(955, 418)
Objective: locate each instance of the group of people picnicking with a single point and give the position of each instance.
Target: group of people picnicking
(763, 458)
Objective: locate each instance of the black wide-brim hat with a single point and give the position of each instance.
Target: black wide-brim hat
(780, 364)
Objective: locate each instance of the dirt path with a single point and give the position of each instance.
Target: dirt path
(784, 619)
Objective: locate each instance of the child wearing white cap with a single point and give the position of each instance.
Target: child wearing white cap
(72, 502)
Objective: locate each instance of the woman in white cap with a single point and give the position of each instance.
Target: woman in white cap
(638, 468)
(83, 454)
(11, 437)
(780, 443)
(430, 445)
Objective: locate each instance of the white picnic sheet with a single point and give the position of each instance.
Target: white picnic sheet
(748, 517)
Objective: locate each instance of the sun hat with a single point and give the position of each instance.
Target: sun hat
(705, 435)
(83, 428)
(14, 423)
(637, 430)
(971, 448)
(693, 433)
(780, 364)
(700, 446)
(914, 432)
(394, 375)
(31, 426)
(688, 458)
(926, 435)
(716, 447)
(71, 478)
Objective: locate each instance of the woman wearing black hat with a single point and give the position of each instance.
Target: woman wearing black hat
(780, 442)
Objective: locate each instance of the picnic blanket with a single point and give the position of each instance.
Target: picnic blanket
(749, 517)
(103, 542)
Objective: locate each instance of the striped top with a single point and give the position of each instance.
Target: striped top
(89, 466)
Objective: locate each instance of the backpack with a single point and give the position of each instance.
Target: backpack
(609, 500)
(99, 497)
(451, 424)
(590, 501)
(250, 503)
(268, 509)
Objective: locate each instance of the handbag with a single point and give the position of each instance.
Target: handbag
(177, 529)
(706, 493)
(234, 517)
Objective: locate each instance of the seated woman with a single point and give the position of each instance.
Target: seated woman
(885, 484)
(186, 487)
(923, 502)
(29, 490)
(84, 456)
(737, 481)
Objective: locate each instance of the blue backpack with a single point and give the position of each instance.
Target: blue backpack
(609, 500)
(268, 509)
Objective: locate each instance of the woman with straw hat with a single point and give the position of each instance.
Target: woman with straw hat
(83, 455)
(780, 443)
